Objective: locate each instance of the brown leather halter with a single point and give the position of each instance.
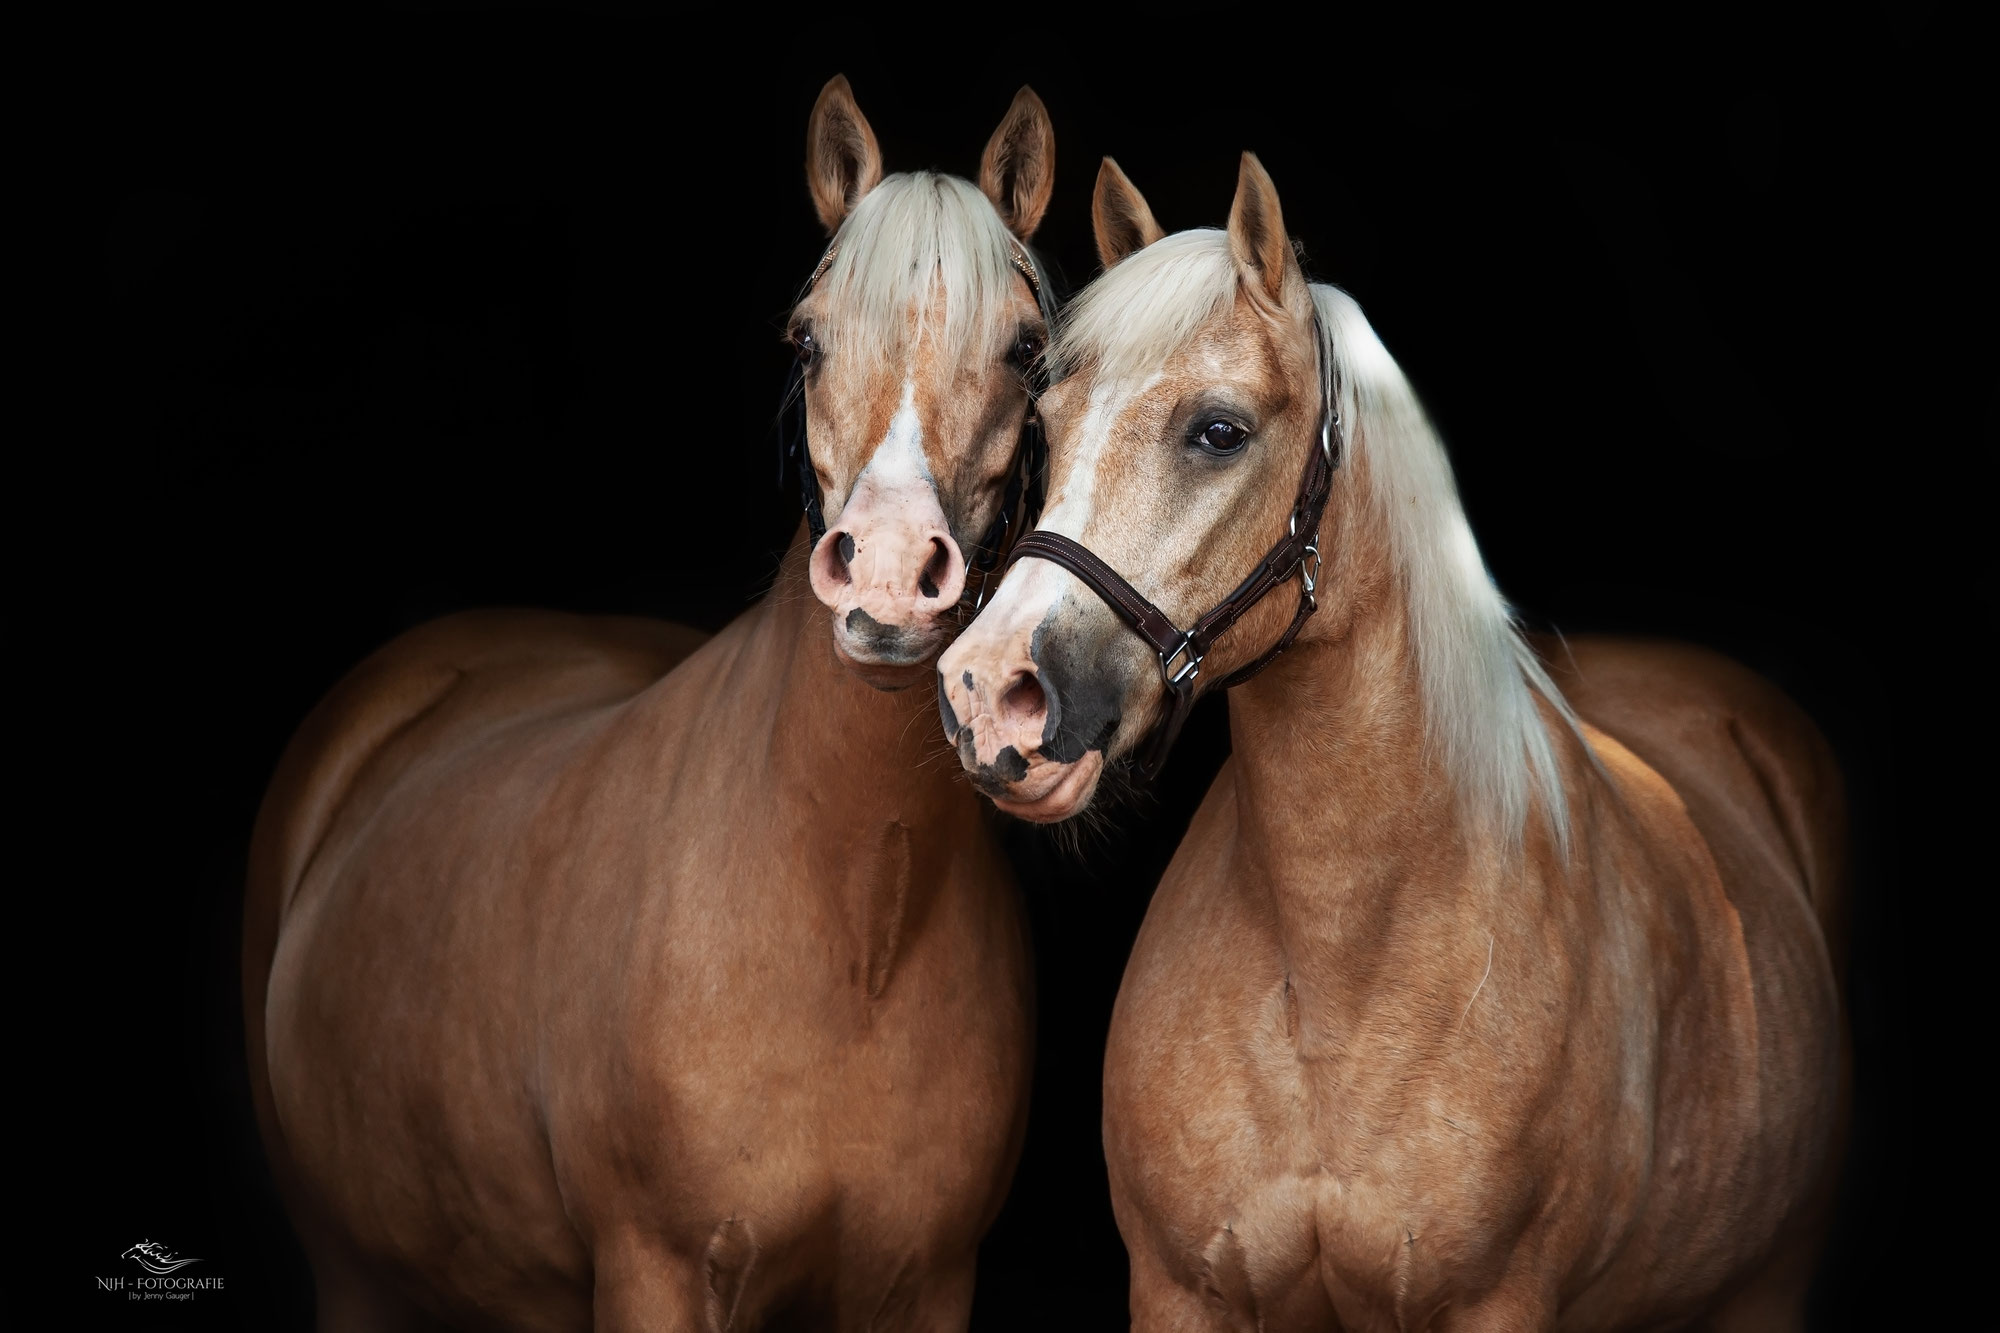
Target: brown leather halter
(1181, 651)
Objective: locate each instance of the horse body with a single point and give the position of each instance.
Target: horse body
(596, 977)
(591, 989)
(1491, 988)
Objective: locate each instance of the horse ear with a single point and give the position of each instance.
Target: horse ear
(842, 161)
(1257, 232)
(1018, 169)
(1119, 216)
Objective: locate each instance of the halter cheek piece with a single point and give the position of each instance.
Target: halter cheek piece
(1181, 651)
(1024, 483)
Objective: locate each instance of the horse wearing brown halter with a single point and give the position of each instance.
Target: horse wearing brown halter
(1482, 993)
(595, 975)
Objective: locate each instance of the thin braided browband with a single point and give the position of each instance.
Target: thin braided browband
(1016, 252)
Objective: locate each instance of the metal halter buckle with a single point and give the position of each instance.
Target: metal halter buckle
(1188, 670)
(1310, 577)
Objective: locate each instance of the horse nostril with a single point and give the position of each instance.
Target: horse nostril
(830, 560)
(947, 713)
(940, 561)
(1025, 700)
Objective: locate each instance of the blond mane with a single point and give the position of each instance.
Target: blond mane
(1478, 677)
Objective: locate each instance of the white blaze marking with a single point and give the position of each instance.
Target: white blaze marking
(1071, 509)
(896, 464)
(899, 460)
(1037, 585)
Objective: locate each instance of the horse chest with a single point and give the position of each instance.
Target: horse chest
(1295, 1153)
(835, 1067)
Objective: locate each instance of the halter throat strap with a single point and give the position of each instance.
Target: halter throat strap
(1180, 652)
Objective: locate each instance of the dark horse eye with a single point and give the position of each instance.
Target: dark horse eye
(806, 346)
(1026, 348)
(1221, 437)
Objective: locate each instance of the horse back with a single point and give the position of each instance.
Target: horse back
(1759, 781)
(348, 741)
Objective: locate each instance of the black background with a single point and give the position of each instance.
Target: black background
(481, 306)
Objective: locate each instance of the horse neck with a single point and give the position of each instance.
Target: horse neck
(852, 756)
(1347, 822)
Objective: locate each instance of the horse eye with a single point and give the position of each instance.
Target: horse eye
(806, 346)
(1026, 348)
(1221, 437)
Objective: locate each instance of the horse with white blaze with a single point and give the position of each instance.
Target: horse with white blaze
(599, 976)
(1495, 984)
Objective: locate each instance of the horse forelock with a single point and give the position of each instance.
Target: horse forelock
(922, 253)
(1150, 306)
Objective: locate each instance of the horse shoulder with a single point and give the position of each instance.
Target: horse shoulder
(1208, 1160)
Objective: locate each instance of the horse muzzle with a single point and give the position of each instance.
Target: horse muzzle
(891, 574)
(1031, 724)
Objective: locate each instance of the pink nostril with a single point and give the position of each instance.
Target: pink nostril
(830, 565)
(943, 574)
(935, 571)
(1025, 704)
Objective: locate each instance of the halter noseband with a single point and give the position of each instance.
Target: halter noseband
(1024, 481)
(1180, 652)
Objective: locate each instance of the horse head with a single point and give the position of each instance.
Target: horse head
(916, 341)
(1190, 400)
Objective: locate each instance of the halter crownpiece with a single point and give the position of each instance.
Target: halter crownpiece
(1024, 483)
(1180, 652)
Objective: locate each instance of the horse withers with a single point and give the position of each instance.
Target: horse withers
(599, 976)
(1494, 986)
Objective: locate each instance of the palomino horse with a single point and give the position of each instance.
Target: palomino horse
(1458, 1009)
(581, 991)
